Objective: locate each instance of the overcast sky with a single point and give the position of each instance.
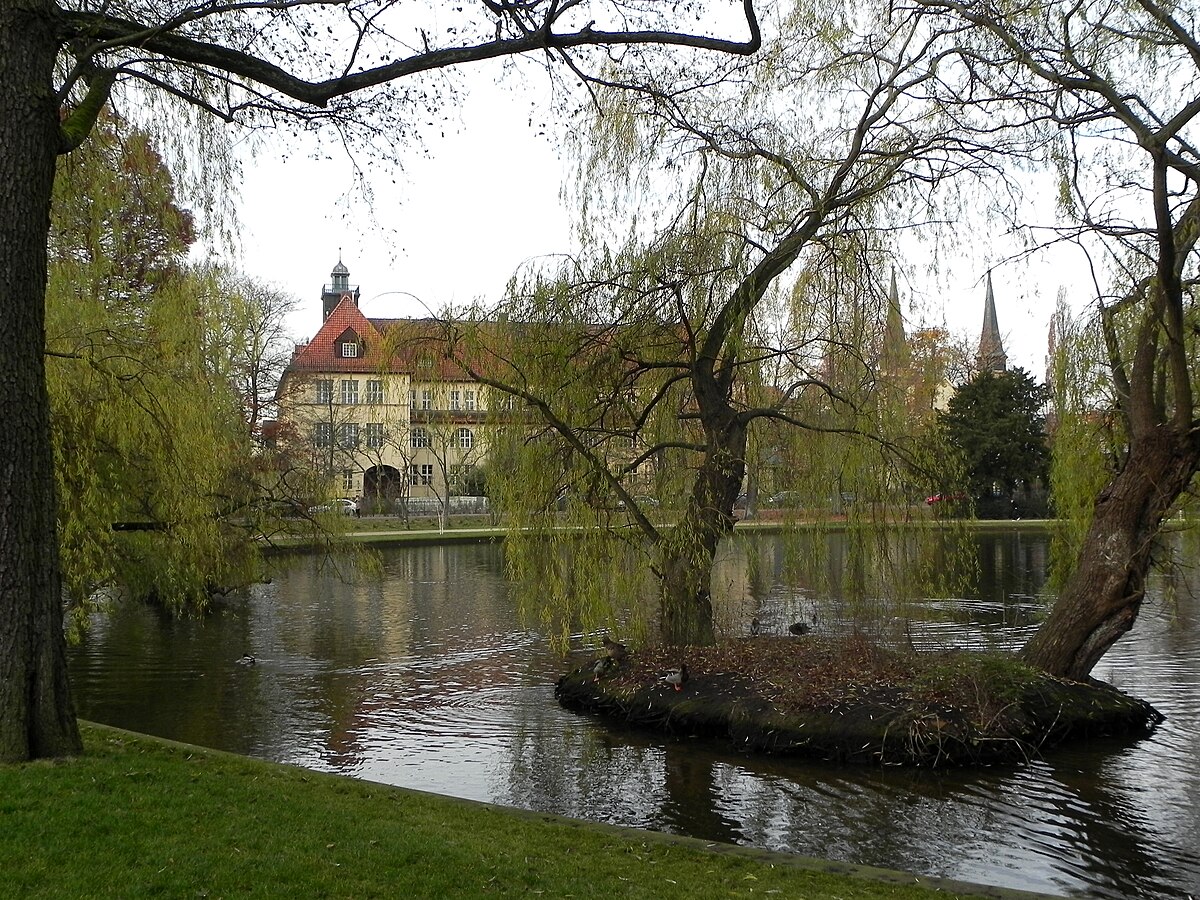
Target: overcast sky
(484, 198)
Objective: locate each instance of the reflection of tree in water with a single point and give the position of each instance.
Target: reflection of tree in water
(581, 771)
(1120, 819)
(693, 798)
(426, 653)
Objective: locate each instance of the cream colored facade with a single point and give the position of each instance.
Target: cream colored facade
(383, 420)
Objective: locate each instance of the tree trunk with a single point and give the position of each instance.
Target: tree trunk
(691, 546)
(1103, 594)
(37, 717)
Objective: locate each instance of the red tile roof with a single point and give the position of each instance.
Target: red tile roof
(411, 340)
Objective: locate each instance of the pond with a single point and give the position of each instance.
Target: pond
(426, 679)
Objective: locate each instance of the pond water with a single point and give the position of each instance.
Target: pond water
(426, 679)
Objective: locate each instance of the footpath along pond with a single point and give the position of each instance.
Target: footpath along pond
(426, 679)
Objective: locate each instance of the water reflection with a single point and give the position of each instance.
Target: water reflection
(425, 679)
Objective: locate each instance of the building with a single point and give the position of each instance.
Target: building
(376, 405)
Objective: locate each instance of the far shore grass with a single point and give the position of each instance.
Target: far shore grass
(137, 817)
(387, 530)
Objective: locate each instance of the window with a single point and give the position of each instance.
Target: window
(374, 391)
(420, 438)
(468, 400)
(426, 399)
(412, 399)
(466, 440)
(348, 434)
(322, 434)
(414, 475)
(455, 400)
(324, 391)
(347, 480)
(374, 435)
(508, 401)
(349, 390)
(427, 473)
(349, 349)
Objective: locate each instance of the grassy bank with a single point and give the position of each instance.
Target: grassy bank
(137, 817)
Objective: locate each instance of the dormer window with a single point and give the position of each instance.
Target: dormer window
(348, 345)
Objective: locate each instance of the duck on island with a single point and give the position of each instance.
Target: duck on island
(616, 652)
(602, 666)
(677, 678)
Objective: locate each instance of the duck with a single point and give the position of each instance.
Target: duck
(616, 652)
(755, 626)
(247, 660)
(677, 678)
(602, 666)
(798, 628)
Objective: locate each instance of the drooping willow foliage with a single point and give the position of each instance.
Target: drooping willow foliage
(1088, 431)
(596, 445)
(149, 432)
(731, 335)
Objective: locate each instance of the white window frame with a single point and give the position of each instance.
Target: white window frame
(466, 439)
(349, 349)
(419, 438)
(324, 390)
(374, 390)
(349, 391)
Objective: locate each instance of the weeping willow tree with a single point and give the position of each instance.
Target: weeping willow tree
(351, 68)
(1111, 89)
(152, 455)
(738, 326)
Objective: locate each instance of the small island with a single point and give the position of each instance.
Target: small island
(852, 701)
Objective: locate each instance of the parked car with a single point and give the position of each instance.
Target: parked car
(340, 505)
(944, 498)
(645, 501)
(785, 498)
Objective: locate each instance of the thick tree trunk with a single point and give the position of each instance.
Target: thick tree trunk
(37, 718)
(690, 548)
(1101, 599)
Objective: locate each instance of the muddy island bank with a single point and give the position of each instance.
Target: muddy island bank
(853, 701)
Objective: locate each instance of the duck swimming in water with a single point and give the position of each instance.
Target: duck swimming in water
(677, 678)
(247, 660)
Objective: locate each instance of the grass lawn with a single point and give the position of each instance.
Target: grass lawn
(140, 817)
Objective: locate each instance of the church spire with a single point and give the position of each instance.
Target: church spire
(992, 357)
(895, 341)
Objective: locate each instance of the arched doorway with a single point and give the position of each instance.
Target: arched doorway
(381, 487)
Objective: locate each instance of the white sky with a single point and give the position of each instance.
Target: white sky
(483, 199)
